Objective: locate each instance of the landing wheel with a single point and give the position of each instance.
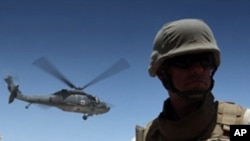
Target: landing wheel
(26, 107)
(84, 117)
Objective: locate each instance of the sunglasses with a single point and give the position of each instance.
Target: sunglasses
(186, 61)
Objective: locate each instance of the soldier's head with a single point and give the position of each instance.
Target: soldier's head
(185, 57)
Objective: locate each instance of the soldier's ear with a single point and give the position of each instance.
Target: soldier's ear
(164, 73)
(160, 73)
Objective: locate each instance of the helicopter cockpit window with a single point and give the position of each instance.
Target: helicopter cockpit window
(97, 100)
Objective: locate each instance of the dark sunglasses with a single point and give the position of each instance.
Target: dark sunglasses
(186, 61)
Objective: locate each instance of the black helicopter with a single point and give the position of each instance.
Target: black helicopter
(73, 100)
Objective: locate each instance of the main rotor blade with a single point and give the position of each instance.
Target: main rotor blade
(48, 67)
(117, 67)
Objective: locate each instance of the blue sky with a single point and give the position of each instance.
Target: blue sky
(83, 38)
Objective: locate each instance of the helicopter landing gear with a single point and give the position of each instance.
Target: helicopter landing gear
(85, 117)
(26, 107)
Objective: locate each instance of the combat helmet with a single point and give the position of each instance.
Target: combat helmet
(182, 37)
(186, 36)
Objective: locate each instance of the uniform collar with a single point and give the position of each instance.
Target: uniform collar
(190, 127)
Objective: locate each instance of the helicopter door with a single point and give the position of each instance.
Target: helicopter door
(81, 100)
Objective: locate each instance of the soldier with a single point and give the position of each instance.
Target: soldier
(185, 58)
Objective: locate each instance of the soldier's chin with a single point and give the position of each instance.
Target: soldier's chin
(196, 95)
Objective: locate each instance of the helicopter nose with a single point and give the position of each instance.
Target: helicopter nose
(108, 108)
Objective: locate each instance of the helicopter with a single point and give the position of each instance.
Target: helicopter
(70, 100)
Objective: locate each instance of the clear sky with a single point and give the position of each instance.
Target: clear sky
(83, 38)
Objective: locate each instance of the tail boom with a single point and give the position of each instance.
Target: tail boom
(13, 89)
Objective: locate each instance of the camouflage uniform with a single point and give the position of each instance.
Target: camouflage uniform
(209, 123)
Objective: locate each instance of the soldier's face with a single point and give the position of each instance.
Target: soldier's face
(191, 72)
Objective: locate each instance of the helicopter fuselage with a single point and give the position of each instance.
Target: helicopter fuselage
(70, 101)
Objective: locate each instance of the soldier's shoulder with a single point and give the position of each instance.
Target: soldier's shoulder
(149, 130)
(237, 113)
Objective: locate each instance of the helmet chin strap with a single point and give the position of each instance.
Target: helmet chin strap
(193, 95)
